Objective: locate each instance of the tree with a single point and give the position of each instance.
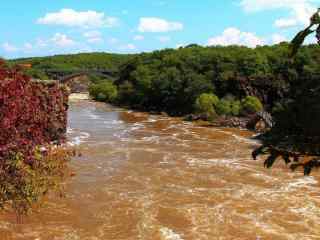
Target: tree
(206, 104)
(235, 107)
(104, 92)
(224, 107)
(251, 104)
(296, 135)
(301, 36)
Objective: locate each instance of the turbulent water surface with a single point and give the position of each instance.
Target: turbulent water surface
(149, 177)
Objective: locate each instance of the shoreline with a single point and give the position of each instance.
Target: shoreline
(79, 96)
(220, 122)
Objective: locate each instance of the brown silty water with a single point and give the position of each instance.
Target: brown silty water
(152, 177)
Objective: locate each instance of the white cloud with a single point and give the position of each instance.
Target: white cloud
(113, 40)
(152, 24)
(9, 47)
(164, 39)
(277, 38)
(179, 45)
(72, 18)
(311, 40)
(95, 40)
(161, 3)
(300, 11)
(261, 5)
(93, 36)
(129, 47)
(138, 38)
(40, 43)
(285, 22)
(27, 46)
(233, 36)
(62, 40)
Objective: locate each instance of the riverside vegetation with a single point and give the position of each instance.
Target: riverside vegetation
(32, 116)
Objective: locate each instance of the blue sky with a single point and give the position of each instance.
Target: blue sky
(40, 28)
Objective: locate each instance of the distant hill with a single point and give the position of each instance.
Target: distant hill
(88, 61)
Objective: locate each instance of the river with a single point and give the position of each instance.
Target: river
(150, 177)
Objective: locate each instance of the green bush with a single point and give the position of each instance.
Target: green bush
(224, 107)
(206, 103)
(103, 92)
(23, 185)
(36, 74)
(94, 79)
(229, 107)
(251, 104)
(235, 108)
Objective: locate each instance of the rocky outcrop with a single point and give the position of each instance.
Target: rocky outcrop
(252, 122)
(232, 122)
(197, 117)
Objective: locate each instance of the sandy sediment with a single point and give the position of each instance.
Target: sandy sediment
(79, 96)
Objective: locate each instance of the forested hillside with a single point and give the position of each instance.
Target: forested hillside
(82, 61)
(171, 80)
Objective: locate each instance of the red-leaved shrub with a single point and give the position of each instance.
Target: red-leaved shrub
(32, 115)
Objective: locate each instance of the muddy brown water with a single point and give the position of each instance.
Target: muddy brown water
(152, 177)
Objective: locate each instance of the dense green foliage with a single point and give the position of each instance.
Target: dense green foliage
(103, 91)
(37, 74)
(251, 104)
(224, 107)
(235, 107)
(172, 80)
(212, 106)
(206, 103)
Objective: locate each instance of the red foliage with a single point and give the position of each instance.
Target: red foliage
(31, 113)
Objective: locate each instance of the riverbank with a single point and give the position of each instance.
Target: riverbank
(79, 96)
(251, 122)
